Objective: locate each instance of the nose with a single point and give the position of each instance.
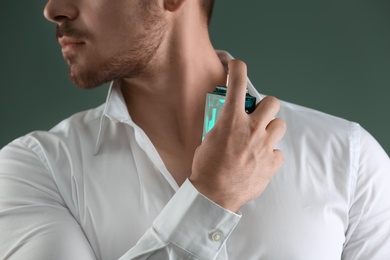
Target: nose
(58, 10)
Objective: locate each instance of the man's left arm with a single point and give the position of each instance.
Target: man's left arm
(368, 233)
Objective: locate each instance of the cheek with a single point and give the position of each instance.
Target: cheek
(105, 39)
(113, 27)
(104, 20)
(109, 29)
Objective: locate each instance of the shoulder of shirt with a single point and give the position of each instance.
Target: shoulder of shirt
(76, 130)
(309, 119)
(80, 120)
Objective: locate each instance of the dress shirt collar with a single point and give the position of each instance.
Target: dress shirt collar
(115, 108)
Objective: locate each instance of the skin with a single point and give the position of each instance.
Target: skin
(94, 51)
(161, 55)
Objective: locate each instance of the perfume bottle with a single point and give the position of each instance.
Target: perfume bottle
(214, 103)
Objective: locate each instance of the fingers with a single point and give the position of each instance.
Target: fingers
(275, 130)
(263, 116)
(235, 96)
(265, 112)
(235, 165)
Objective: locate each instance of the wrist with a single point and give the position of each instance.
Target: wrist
(228, 202)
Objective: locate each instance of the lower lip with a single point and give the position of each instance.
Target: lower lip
(72, 47)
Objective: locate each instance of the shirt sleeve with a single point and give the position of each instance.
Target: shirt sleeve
(190, 225)
(34, 220)
(368, 234)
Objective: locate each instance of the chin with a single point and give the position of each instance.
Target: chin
(85, 82)
(88, 79)
(88, 75)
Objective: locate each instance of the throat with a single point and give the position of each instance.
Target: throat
(175, 141)
(178, 161)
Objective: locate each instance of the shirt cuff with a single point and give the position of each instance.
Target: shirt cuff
(195, 223)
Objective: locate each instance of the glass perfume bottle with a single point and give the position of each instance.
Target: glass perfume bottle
(214, 103)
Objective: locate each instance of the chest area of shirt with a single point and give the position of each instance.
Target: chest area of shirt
(301, 213)
(286, 222)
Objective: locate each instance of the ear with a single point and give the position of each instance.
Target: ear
(173, 5)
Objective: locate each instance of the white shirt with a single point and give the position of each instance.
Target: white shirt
(95, 187)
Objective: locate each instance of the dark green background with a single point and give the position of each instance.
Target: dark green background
(331, 55)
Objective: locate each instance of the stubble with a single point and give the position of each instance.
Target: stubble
(130, 62)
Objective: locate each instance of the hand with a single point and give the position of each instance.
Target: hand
(237, 159)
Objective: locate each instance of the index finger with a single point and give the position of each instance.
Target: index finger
(236, 89)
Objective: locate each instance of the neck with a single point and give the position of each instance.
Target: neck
(168, 103)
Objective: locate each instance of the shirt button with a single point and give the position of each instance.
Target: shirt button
(215, 236)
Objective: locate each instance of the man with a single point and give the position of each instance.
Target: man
(132, 178)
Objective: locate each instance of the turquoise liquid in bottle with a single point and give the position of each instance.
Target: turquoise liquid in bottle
(214, 104)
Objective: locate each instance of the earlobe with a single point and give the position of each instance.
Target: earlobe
(173, 5)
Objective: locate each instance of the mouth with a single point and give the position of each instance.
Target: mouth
(69, 44)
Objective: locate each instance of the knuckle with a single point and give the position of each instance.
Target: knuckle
(272, 101)
(229, 125)
(280, 123)
(240, 80)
